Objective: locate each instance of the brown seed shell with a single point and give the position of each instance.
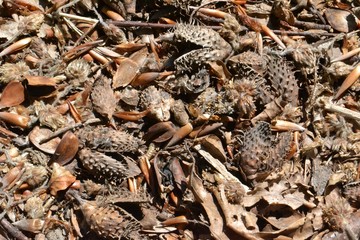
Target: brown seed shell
(67, 149)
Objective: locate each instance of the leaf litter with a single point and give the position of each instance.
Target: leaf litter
(172, 119)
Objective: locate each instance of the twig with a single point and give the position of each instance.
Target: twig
(343, 111)
(13, 231)
(310, 34)
(65, 129)
(8, 204)
(311, 25)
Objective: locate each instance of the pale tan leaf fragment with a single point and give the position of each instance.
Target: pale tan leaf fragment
(213, 145)
(125, 73)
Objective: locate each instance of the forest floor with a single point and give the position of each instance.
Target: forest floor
(174, 119)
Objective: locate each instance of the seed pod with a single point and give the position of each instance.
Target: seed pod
(103, 166)
(110, 221)
(106, 139)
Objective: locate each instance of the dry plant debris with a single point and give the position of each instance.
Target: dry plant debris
(174, 119)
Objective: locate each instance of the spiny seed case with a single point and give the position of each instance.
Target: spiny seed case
(103, 167)
(110, 221)
(106, 139)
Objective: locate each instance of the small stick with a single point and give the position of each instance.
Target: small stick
(346, 55)
(13, 231)
(306, 33)
(65, 129)
(76, 17)
(311, 25)
(343, 111)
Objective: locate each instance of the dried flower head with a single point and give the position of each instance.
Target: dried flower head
(49, 117)
(78, 70)
(35, 175)
(262, 152)
(34, 207)
(212, 46)
(282, 79)
(352, 192)
(13, 71)
(336, 211)
(32, 22)
(234, 192)
(212, 102)
(246, 102)
(158, 102)
(183, 4)
(241, 64)
(195, 83)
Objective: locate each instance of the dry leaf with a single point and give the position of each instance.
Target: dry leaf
(103, 98)
(207, 202)
(12, 95)
(61, 179)
(213, 145)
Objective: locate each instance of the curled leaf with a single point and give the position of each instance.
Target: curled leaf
(23, 43)
(180, 134)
